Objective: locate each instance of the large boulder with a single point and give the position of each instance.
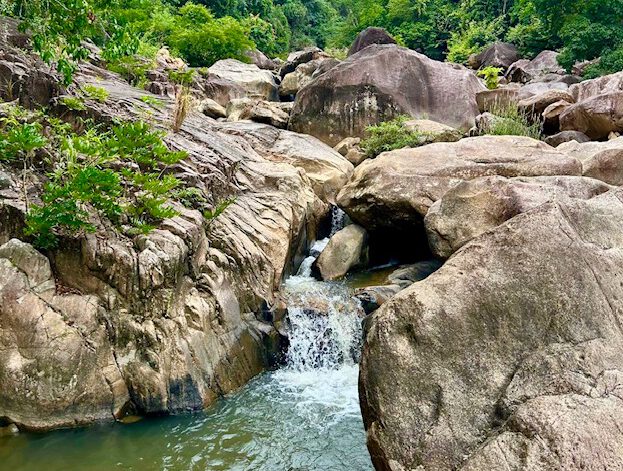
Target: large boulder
(596, 116)
(523, 71)
(394, 191)
(382, 82)
(590, 88)
(260, 111)
(297, 58)
(510, 356)
(536, 104)
(256, 82)
(601, 160)
(476, 206)
(368, 37)
(498, 98)
(566, 136)
(294, 81)
(345, 250)
(57, 367)
(327, 170)
(499, 54)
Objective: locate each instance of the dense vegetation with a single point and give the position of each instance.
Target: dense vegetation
(209, 30)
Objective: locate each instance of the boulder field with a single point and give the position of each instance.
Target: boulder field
(503, 350)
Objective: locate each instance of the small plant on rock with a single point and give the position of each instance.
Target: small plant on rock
(491, 75)
(507, 120)
(98, 94)
(390, 135)
(73, 103)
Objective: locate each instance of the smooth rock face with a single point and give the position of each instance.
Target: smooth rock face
(346, 250)
(433, 131)
(395, 190)
(256, 82)
(566, 136)
(510, 355)
(379, 83)
(597, 86)
(601, 160)
(596, 117)
(260, 111)
(536, 104)
(499, 54)
(297, 58)
(551, 115)
(294, 81)
(327, 170)
(212, 109)
(477, 206)
(368, 37)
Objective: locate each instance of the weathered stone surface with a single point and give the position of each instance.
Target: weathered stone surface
(327, 170)
(498, 98)
(168, 317)
(349, 148)
(596, 117)
(536, 104)
(212, 109)
(590, 88)
(433, 131)
(509, 356)
(222, 91)
(499, 54)
(544, 63)
(477, 206)
(256, 82)
(347, 249)
(368, 37)
(566, 136)
(260, 111)
(57, 368)
(297, 58)
(395, 190)
(303, 74)
(380, 83)
(601, 160)
(262, 61)
(551, 115)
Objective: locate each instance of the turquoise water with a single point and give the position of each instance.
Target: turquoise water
(282, 420)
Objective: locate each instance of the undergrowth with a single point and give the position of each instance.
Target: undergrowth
(390, 135)
(119, 174)
(509, 121)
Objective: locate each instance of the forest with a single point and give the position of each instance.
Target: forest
(208, 30)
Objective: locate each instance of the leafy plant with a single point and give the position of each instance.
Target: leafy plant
(491, 76)
(20, 139)
(390, 135)
(152, 101)
(95, 93)
(73, 103)
(211, 215)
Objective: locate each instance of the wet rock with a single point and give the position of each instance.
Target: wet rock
(256, 83)
(373, 297)
(406, 275)
(566, 136)
(499, 54)
(394, 191)
(368, 37)
(347, 249)
(477, 206)
(369, 87)
(491, 364)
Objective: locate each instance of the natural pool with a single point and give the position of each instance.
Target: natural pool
(302, 417)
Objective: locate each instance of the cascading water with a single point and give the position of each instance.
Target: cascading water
(303, 417)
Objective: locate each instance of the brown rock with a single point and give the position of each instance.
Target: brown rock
(380, 83)
(346, 249)
(596, 117)
(368, 37)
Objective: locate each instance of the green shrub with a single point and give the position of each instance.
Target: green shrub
(609, 63)
(117, 173)
(491, 76)
(152, 101)
(19, 139)
(390, 135)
